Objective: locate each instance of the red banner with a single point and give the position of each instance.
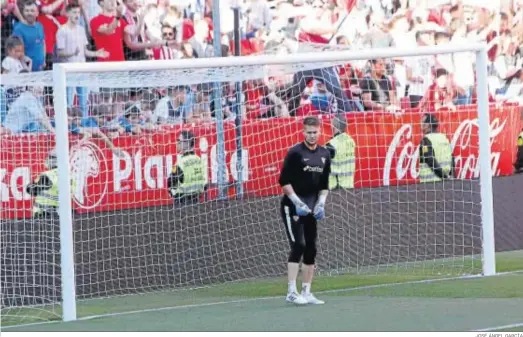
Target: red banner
(387, 154)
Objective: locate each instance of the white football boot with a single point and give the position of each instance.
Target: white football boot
(295, 298)
(311, 299)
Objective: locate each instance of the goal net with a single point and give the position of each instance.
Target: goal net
(125, 130)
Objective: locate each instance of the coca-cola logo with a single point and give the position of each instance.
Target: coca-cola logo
(408, 157)
(466, 153)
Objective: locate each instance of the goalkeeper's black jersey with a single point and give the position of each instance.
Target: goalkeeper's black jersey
(306, 170)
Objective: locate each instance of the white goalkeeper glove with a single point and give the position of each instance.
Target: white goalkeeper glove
(319, 208)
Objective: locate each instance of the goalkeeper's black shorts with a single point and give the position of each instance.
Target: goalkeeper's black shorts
(301, 230)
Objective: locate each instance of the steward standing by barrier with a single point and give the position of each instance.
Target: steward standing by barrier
(436, 160)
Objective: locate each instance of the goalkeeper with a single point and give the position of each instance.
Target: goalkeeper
(436, 160)
(305, 181)
(187, 181)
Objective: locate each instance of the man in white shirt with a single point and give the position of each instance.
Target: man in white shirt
(419, 70)
(174, 108)
(199, 42)
(260, 16)
(71, 46)
(464, 77)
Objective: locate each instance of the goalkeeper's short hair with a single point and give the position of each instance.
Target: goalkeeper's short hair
(311, 121)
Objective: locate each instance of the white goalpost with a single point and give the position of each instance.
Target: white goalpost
(387, 223)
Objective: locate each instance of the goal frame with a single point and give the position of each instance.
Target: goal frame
(60, 71)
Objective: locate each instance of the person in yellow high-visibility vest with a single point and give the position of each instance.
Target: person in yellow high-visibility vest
(519, 161)
(188, 180)
(436, 159)
(45, 189)
(342, 148)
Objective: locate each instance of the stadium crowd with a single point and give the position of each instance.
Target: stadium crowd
(36, 34)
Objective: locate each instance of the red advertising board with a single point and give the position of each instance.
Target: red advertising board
(387, 154)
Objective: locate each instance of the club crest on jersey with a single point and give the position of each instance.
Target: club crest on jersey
(296, 218)
(323, 160)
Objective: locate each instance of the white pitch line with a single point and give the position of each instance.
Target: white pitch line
(501, 327)
(255, 299)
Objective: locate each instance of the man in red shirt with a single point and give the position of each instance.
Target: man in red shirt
(108, 30)
(440, 94)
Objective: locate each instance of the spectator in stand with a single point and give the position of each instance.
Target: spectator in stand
(440, 94)
(135, 41)
(155, 11)
(27, 114)
(402, 32)
(259, 18)
(147, 102)
(110, 32)
(329, 76)
(200, 40)
(9, 15)
(317, 26)
(399, 81)
(14, 63)
(71, 46)
(102, 118)
(419, 70)
(512, 91)
(262, 100)
(322, 100)
(98, 116)
(76, 127)
(228, 102)
(378, 35)
(445, 61)
(32, 34)
(195, 9)
(74, 119)
(120, 96)
(173, 16)
(187, 51)
(508, 60)
(132, 120)
(167, 52)
(136, 21)
(51, 17)
(202, 109)
(276, 105)
(456, 11)
(16, 60)
(173, 108)
(107, 29)
(377, 90)
(464, 62)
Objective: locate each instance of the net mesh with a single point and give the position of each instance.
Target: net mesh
(131, 237)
